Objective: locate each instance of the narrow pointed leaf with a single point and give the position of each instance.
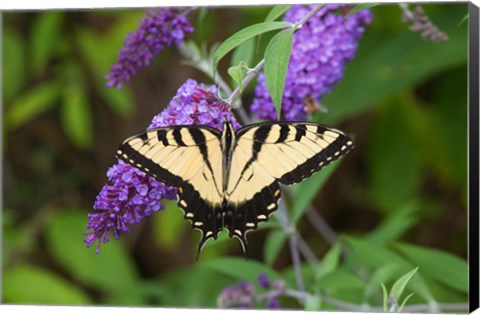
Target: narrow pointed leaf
(329, 262)
(237, 73)
(360, 7)
(273, 245)
(277, 56)
(399, 285)
(308, 189)
(277, 11)
(442, 266)
(244, 53)
(241, 36)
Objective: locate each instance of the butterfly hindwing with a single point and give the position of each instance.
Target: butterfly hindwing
(203, 215)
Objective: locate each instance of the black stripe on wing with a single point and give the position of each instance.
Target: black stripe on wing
(243, 217)
(131, 156)
(339, 147)
(203, 215)
(298, 135)
(162, 138)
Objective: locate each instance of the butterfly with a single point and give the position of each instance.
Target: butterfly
(231, 178)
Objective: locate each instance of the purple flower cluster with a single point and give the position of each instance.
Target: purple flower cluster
(244, 295)
(161, 27)
(320, 50)
(131, 195)
(421, 23)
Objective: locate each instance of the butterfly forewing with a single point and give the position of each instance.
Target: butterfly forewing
(291, 152)
(188, 158)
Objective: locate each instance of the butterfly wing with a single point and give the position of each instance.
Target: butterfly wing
(268, 153)
(190, 159)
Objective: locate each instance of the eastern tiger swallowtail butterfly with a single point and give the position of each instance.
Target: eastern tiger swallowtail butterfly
(231, 178)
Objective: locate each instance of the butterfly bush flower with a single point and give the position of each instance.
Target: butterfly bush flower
(244, 294)
(320, 50)
(161, 27)
(131, 195)
(421, 23)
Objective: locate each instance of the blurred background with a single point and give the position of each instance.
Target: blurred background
(400, 196)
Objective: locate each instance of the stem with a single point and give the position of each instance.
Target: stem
(251, 74)
(293, 242)
(366, 308)
(321, 225)
(317, 221)
(307, 252)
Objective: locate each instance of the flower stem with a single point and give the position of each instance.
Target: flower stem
(253, 72)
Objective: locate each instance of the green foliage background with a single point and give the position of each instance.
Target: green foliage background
(397, 201)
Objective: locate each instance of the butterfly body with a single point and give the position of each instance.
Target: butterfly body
(230, 178)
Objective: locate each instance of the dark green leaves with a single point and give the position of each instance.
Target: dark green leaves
(360, 7)
(308, 189)
(46, 38)
(277, 11)
(241, 36)
(34, 102)
(100, 270)
(277, 56)
(442, 266)
(25, 284)
(76, 116)
(239, 268)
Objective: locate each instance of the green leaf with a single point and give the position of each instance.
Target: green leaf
(277, 56)
(244, 53)
(312, 302)
(465, 18)
(238, 74)
(305, 191)
(64, 238)
(99, 59)
(273, 245)
(46, 34)
(391, 156)
(13, 63)
(341, 279)
(381, 275)
(31, 104)
(76, 116)
(404, 302)
(395, 225)
(25, 284)
(399, 285)
(371, 254)
(420, 286)
(239, 268)
(193, 286)
(277, 11)
(241, 36)
(329, 262)
(442, 266)
(385, 297)
(360, 7)
(169, 225)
